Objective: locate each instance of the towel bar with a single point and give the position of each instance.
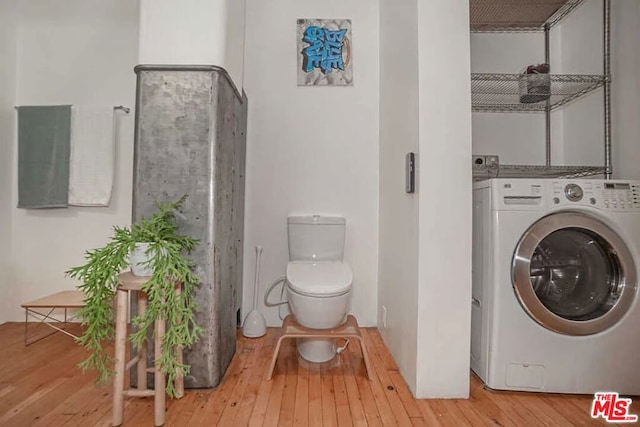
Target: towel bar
(117, 107)
(123, 108)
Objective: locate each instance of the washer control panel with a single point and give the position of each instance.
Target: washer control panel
(608, 195)
(620, 195)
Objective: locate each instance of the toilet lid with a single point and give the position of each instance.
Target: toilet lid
(319, 278)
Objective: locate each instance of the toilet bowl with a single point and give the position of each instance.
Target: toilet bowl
(318, 295)
(318, 282)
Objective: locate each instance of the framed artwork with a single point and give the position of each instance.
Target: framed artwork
(324, 52)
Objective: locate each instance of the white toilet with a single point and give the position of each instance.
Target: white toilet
(318, 282)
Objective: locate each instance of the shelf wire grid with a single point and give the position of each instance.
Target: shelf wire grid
(482, 172)
(503, 92)
(518, 15)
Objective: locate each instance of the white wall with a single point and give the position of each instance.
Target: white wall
(8, 42)
(193, 32)
(444, 260)
(311, 150)
(577, 129)
(518, 138)
(398, 243)
(626, 88)
(234, 48)
(581, 53)
(77, 52)
(425, 239)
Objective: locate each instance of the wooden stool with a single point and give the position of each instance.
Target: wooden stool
(129, 282)
(292, 329)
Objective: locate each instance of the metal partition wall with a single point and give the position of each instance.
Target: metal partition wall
(190, 138)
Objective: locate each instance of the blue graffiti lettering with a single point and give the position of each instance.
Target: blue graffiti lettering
(324, 50)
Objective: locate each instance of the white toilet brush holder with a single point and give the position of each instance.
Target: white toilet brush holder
(254, 325)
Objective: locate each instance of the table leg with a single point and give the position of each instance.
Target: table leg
(120, 344)
(365, 358)
(142, 351)
(26, 323)
(274, 358)
(159, 377)
(179, 383)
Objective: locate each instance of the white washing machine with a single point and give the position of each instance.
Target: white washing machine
(555, 285)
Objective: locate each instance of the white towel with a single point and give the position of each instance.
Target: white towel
(92, 162)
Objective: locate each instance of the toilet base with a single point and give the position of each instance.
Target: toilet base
(316, 350)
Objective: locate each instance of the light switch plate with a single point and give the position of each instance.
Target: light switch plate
(410, 173)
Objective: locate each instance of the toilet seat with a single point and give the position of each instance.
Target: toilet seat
(319, 279)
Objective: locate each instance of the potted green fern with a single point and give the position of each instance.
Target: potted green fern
(168, 262)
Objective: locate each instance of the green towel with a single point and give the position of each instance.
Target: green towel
(44, 137)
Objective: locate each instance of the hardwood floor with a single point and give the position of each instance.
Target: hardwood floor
(40, 385)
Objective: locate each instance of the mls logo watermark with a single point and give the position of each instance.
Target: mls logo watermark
(612, 407)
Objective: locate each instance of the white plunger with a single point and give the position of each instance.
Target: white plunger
(254, 325)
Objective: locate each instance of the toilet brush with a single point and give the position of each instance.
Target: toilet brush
(254, 325)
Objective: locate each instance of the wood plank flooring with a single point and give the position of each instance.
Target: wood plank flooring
(40, 385)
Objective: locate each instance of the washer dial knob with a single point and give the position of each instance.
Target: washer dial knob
(573, 192)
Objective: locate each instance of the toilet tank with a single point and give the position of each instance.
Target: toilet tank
(316, 238)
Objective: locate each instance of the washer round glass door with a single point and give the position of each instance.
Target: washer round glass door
(573, 274)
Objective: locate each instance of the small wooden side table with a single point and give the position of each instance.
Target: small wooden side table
(292, 329)
(67, 300)
(128, 283)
